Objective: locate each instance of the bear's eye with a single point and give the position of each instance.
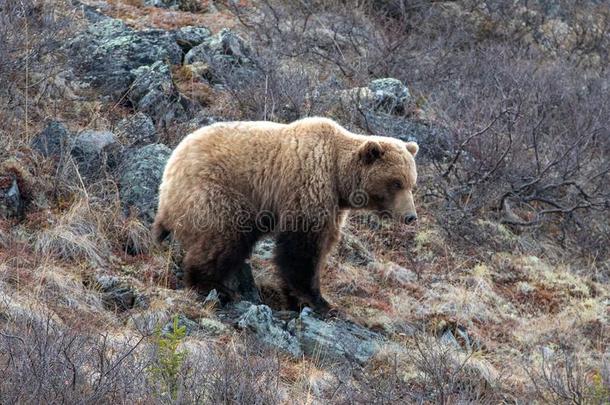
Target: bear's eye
(396, 185)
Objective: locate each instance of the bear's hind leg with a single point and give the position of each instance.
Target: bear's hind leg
(299, 256)
(208, 264)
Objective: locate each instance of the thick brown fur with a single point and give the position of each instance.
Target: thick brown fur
(228, 184)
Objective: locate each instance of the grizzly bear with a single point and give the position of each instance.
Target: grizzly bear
(228, 184)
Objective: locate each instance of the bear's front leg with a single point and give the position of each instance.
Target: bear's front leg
(300, 256)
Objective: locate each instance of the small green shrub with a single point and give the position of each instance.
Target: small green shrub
(169, 360)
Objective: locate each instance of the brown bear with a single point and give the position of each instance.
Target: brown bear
(228, 184)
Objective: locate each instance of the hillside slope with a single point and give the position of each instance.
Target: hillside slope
(499, 294)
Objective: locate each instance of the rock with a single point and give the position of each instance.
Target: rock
(53, 141)
(96, 152)
(117, 295)
(304, 333)
(11, 203)
(221, 49)
(137, 129)
(153, 92)
(92, 14)
(147, 322)
(201, 119)
(448, 339)
(106, 53)
(212, 327)
(259, 319)
(189, 36)
(191, 327)
(334, 340)
(182, 5)
(435, 141)
(212, 299)
(264, 249)
(395, 274)
(457, 337)
(140, 177)
(389, 95)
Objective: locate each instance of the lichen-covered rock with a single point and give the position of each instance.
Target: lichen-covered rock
(225, 47)
(118, 295)
(212, 327)
(182, 5)
(435, 141)
(106, 53)
(53, 141)
(189, 36)
(259, 319)
(153, 92)
(389, 95)
(140, 177)
(11, 203)
(96, 152)
(137, 130)
(264, 249)
(334, 339)
(180, 321)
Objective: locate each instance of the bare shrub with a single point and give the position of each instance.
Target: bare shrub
(562, 377)
(31, 32)
(44, 362)
(448, 375)
(537, 158)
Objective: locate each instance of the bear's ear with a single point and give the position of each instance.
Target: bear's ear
(370, 151)
(412, 147)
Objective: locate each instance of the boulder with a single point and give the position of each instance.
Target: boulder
(137, 130)
(435, 141)
(107, 52)
(264, 249)
(259, 320)
(117, 294)
(389, 95)
(224, 48)
(140, 178)
(334, 340)
(153, 92)
(53, 141)
(188, 37)
(11, 203)
(95, 153)
(325, 339)
(190, 327)
(182, 5)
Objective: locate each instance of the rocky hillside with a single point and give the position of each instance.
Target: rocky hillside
(500, 294)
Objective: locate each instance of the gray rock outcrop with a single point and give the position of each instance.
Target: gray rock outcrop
(95, 153)
(107, 52)
(140, 178)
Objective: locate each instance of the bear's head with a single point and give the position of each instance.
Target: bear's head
(386, 177)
